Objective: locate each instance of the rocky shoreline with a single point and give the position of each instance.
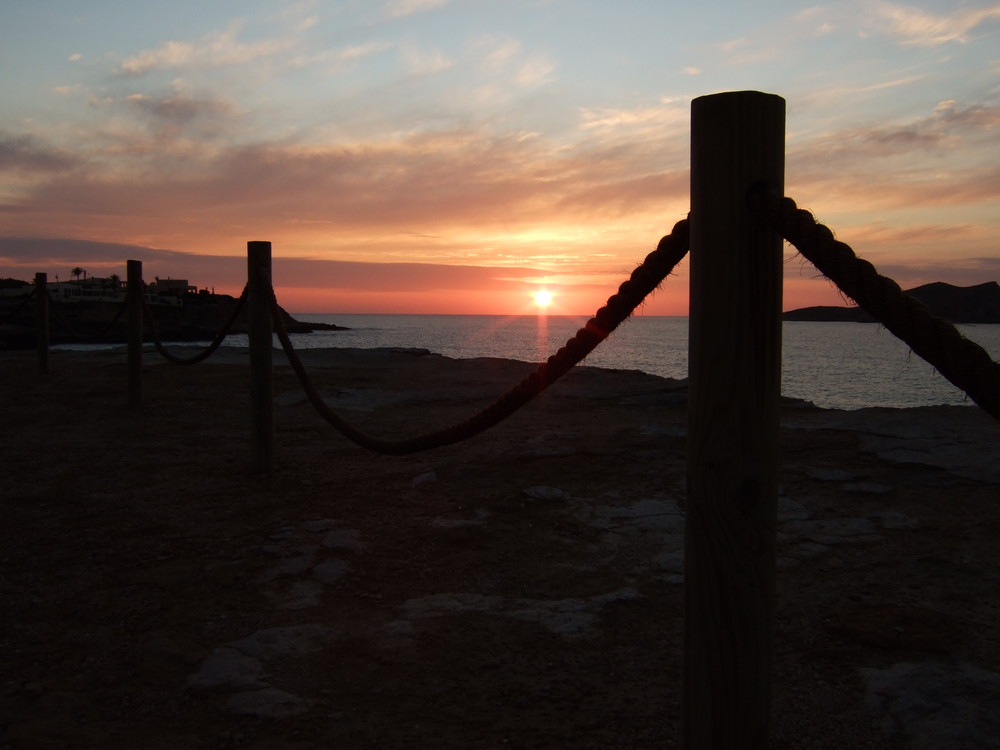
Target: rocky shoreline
(521, 589)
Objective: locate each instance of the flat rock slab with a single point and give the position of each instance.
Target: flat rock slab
(935, 706)
(518, 589)
(563, 616)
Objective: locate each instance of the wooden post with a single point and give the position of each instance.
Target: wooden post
(42, 292)
(135, 292)
(737, 141)
(261, 366)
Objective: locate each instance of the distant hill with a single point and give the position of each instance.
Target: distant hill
(959, 304)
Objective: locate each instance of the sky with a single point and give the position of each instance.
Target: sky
(456, 156)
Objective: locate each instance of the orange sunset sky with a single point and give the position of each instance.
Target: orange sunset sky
(454, 156)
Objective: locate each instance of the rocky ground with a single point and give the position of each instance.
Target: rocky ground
(522, 589)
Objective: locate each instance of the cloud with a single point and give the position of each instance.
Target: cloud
(307, 23)
(503, 55)
(421, 63)
(536, 71)
(339, 60)
(794, 35)
(215, 50)
(915, 26)
(465, 197)
(498, 53)
(664, 114)
(947, 130)
(490, 198)
(29, 155)
(400, 8)
(179, 109)
(359, 51)
(33, 253)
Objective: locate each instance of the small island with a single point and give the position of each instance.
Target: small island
(979, 303)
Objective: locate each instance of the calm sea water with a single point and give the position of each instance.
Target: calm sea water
(834, 365)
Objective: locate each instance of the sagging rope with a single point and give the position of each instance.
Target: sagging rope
(57, 308)
(644, 279)
(963, 362)
(207, 351)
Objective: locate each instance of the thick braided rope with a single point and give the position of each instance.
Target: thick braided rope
(57, 308)
(963, 362)
(207, 351)
(24, 303)
(644, 279)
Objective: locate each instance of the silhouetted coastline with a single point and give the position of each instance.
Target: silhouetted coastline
(199, 317)
(959, 304)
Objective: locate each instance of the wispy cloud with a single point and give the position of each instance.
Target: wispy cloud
(340, 59)
(215, 50)
(505, 56)
(904, 166)
(914, 26)
(400, 8)
(669, 112)
(421, 62)
(498, 53)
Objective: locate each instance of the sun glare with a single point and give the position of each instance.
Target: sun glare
(543, 298)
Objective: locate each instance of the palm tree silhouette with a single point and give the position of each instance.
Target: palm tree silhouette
(77, 272)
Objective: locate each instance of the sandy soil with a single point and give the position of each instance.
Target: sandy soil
(522, 589)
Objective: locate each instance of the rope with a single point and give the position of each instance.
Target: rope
(204, 353)
(57, 308)
(963, 362)
(13, 313)
(644, 279)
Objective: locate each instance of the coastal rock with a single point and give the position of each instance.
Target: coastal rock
(293, 640)
(329, 572)
(268, 703)
(228, 667)
(936, 706)
(142, 548)
(562, 616)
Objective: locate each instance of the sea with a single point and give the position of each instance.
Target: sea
(833, 365)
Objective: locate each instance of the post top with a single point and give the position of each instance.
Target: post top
(749, 94)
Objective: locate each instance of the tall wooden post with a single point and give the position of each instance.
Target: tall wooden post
(737, 141)
(42, 292)
(261, 366)
(133, 277)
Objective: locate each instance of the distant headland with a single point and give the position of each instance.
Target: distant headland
(181, 313)
(959, 304)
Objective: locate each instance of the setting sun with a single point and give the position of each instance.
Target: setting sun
(543, 298)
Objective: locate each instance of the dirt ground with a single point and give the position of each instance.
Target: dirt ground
(522, 589)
